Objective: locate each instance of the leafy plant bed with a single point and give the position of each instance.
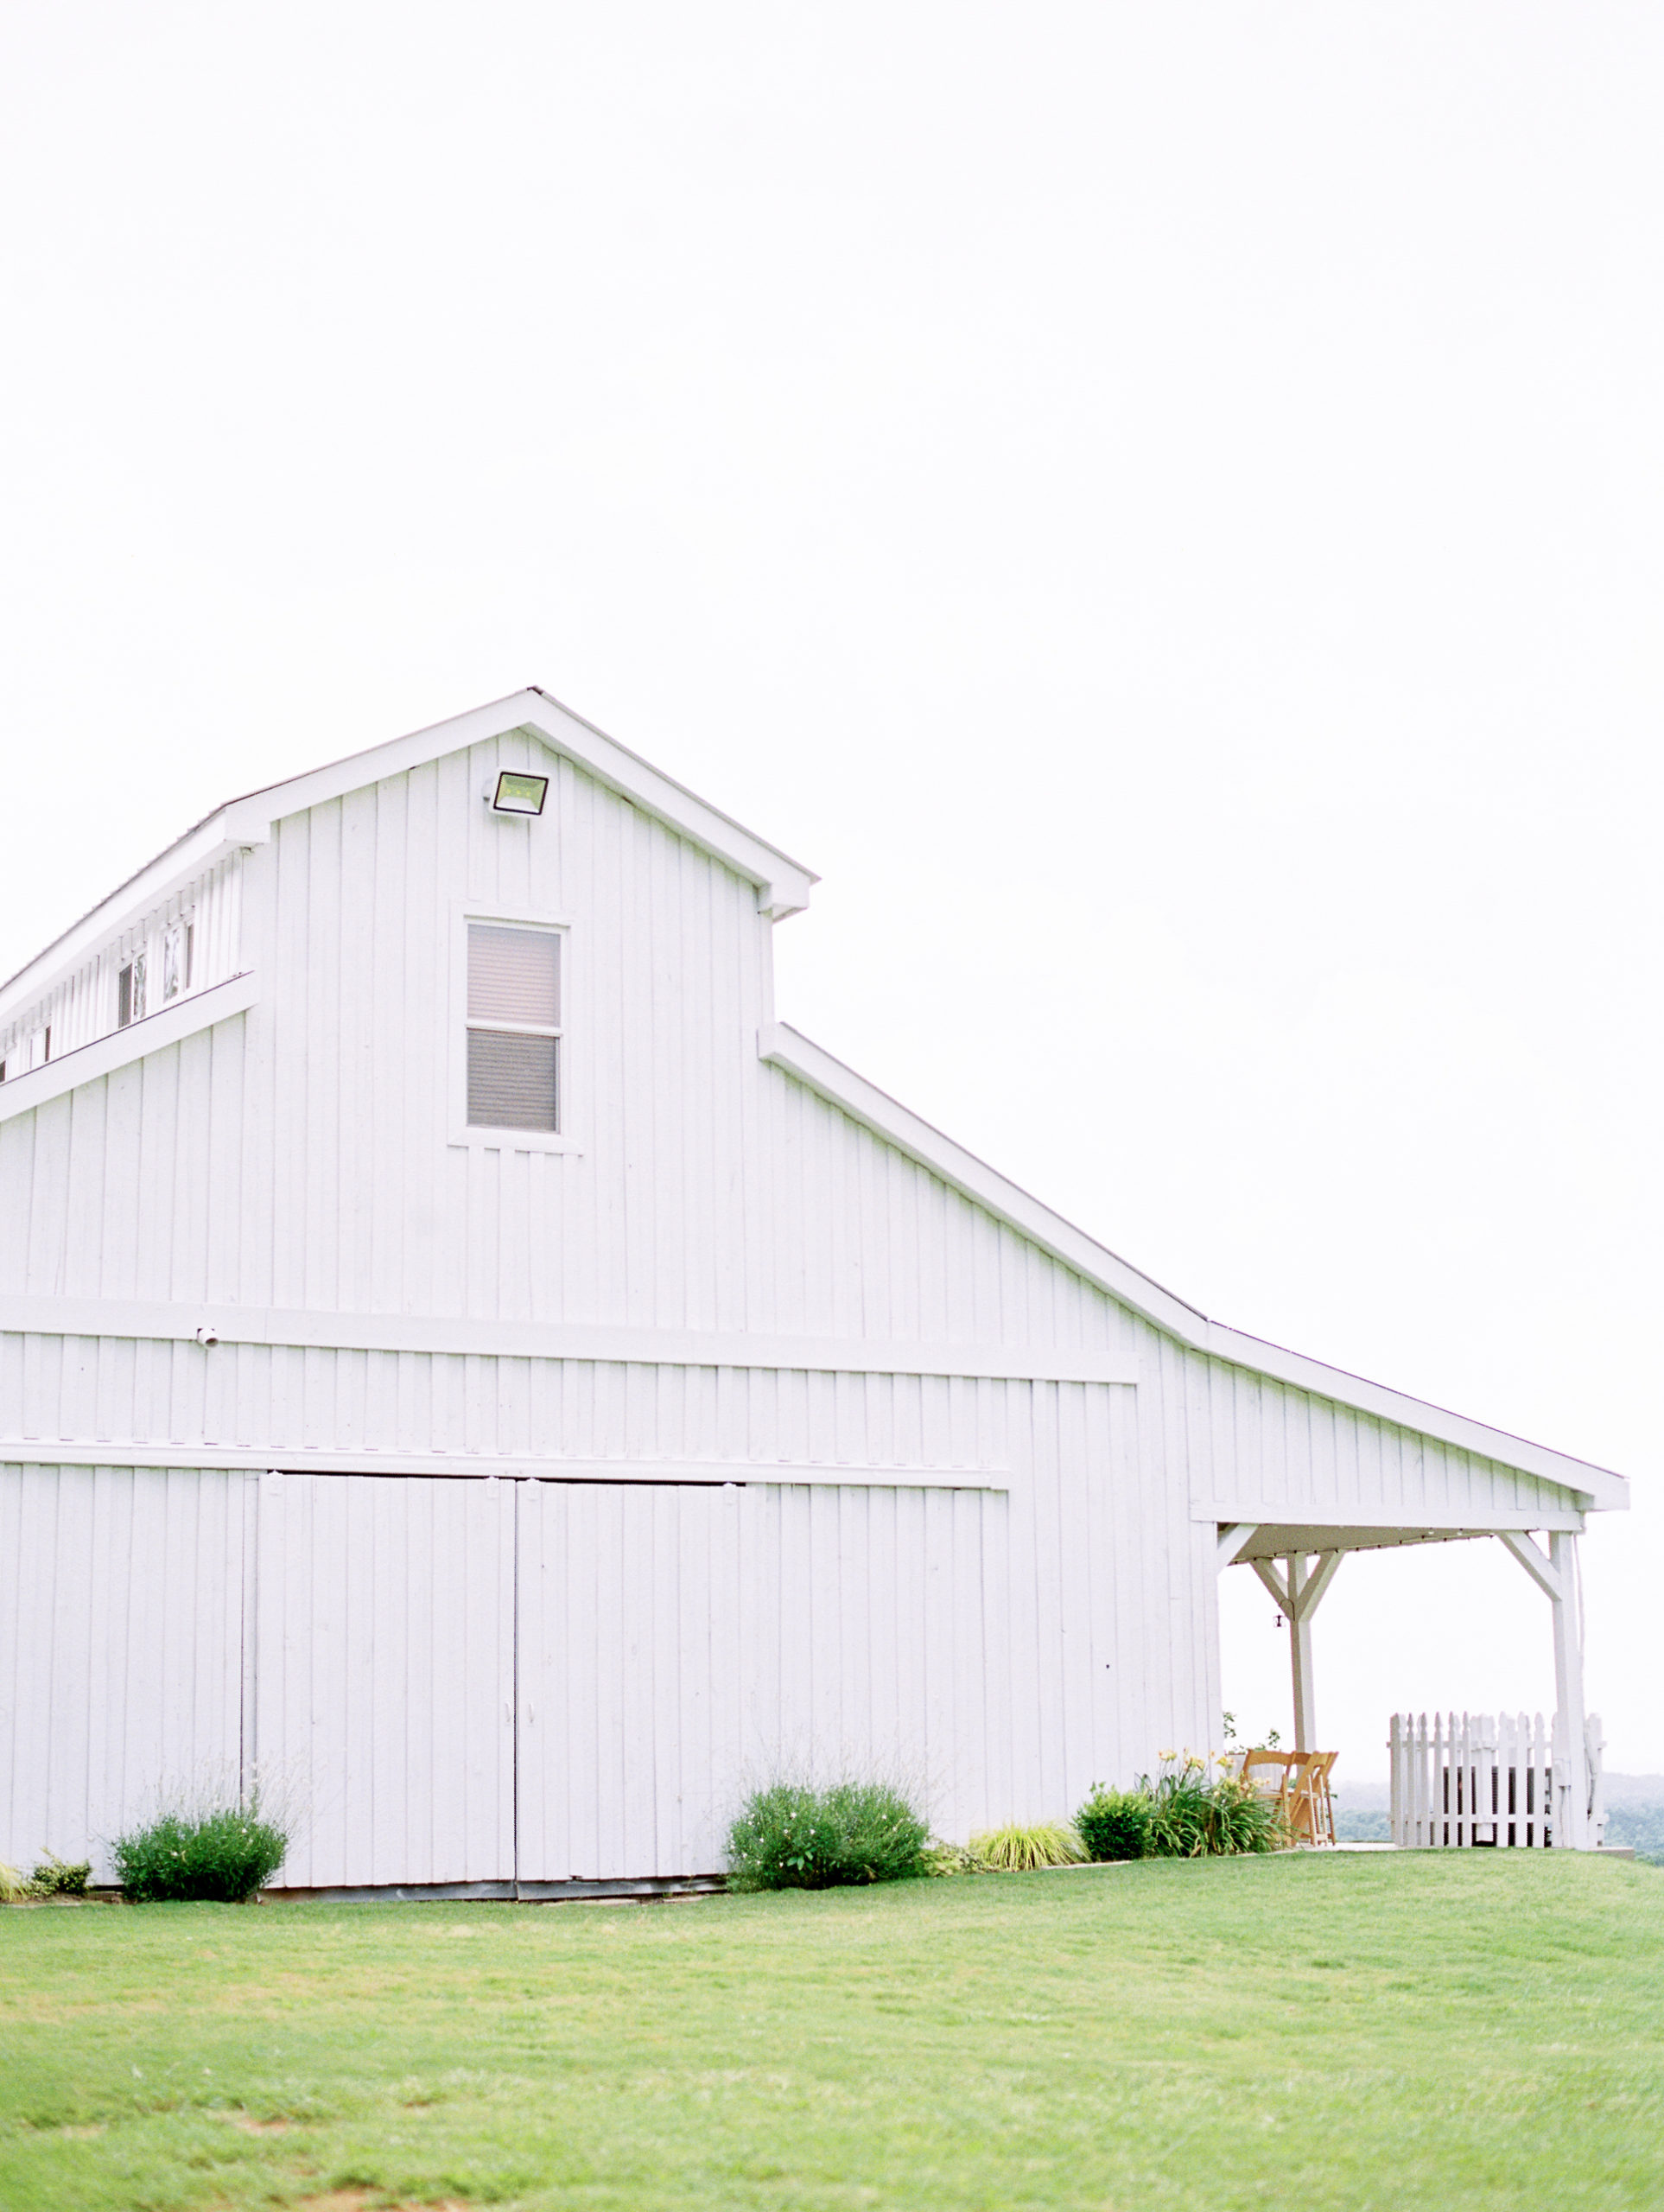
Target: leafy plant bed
(53, 1880)
(1186, 1813)
(1421, 2031)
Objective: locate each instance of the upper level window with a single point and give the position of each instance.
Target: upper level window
(130, 992)
(514, 1027)
(30, 1053)
(178, 944)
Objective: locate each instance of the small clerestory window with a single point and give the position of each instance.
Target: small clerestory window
(514, 1027)
(130, 992)
(178, 956)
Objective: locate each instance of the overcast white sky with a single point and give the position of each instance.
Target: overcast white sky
(1161, 506)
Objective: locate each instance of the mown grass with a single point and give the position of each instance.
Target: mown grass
(1361, 2031)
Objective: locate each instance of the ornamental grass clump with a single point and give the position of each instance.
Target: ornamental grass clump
(1014, 1850)
(219, 1856)
(791, 1836)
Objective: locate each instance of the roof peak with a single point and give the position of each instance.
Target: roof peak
(783, 883)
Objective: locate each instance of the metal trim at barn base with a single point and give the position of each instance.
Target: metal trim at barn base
(641, 1891)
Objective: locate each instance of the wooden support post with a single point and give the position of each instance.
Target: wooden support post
(1571, 1755)
(1299, 1644)
(1557, 1577)
(1299, 1594)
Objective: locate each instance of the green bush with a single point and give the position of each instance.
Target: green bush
(55, 1877)
(940, 1861)
(1114, 1823)
(792, 1837)
(223, 1856)
(1013, 1850)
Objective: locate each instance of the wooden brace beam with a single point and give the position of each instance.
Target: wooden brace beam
(1313, 1596)
(1542, 1571)
(1232, 1539)
(1273, 1582)
(1300, 1607)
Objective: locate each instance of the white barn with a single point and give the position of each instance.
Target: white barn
(462, 1356)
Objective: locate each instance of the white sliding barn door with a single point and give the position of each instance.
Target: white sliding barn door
(679, 1644)
(451, 1680)
(629, 1602)
(383, 1677)
(121, 1651)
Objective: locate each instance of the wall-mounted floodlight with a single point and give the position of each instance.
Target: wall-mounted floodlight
(518, 794)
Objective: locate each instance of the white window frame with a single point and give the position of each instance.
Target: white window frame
(137, 957)
(484, 1139)
(183, 926)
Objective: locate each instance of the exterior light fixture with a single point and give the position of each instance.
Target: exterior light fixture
(518, 794)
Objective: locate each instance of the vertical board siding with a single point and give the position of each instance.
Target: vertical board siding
(675, 1644)
(369, 1650)
(383, 1675)
(121, 1651)
(708, 1189)
(1247, 1438)
(681, 1644)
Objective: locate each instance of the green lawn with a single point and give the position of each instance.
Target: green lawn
(1434, 2030)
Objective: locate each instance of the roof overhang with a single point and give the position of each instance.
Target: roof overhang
(1278, 1539)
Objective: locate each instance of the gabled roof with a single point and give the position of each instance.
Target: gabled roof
(785, 1048)
(783, 883)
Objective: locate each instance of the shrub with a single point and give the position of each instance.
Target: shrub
(940, 1860)
(1114, 1823)
(222, 1856)
(1013, 1850)
(54, 1878)
(791, 1836)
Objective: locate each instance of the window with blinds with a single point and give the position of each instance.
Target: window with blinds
(514, 1027)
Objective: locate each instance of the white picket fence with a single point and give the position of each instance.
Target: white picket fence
(1477, 1779)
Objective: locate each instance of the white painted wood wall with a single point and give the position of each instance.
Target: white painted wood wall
(455, 1681)
(987, 1484)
